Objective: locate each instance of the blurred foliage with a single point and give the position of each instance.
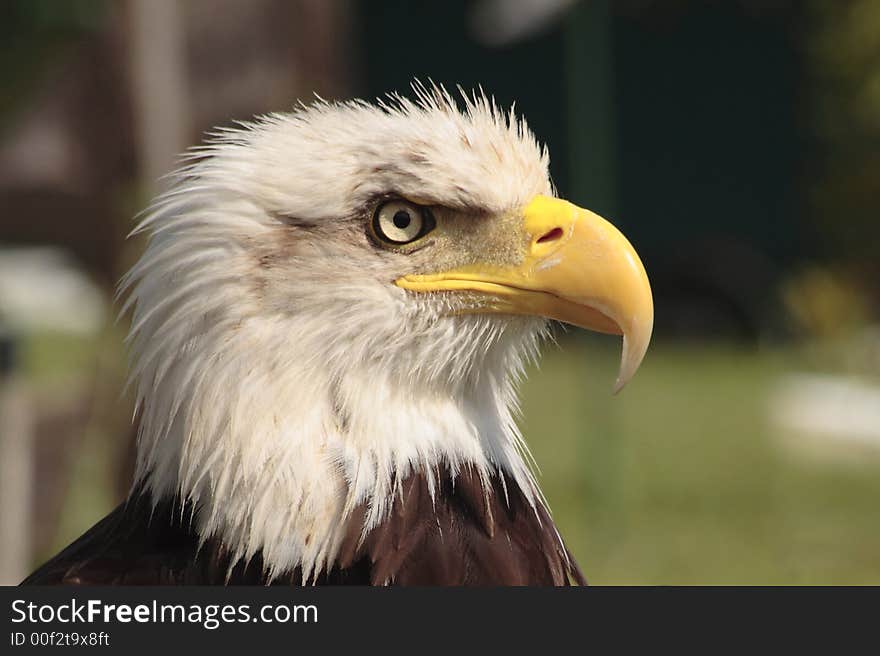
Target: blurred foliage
(846, 51)
(825, 303)
(35, 35)
(844, 56)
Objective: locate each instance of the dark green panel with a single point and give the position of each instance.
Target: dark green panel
(708, 126)
(429, 40)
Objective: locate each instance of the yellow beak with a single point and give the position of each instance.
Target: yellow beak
(576, 268)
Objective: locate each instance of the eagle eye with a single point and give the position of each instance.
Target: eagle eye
(398, 222)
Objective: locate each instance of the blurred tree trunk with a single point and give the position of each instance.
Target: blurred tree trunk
(16, 471)
(159, 86)
(323, 46)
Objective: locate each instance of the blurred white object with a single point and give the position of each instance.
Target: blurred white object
(501, 22)
(41, 289)
(833, 415)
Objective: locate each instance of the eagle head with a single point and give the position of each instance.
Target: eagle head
(333, 298)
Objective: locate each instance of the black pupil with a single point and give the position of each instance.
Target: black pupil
(402, 219)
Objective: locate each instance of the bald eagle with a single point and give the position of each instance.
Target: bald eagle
(328, 325)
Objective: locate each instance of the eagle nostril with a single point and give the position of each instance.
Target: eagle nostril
(553, 235)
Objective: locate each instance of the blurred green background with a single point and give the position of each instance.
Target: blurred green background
(735, 142)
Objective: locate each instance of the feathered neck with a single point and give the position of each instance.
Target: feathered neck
(276, 456)
(277, 424)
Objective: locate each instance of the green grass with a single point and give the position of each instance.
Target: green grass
(66, 369)
(677, 480)
(680, 480)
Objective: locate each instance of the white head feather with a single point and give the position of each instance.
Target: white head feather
(281, 378)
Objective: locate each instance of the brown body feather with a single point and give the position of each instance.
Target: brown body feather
(468, 534)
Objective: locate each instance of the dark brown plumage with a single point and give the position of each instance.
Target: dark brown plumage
(468, 535)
